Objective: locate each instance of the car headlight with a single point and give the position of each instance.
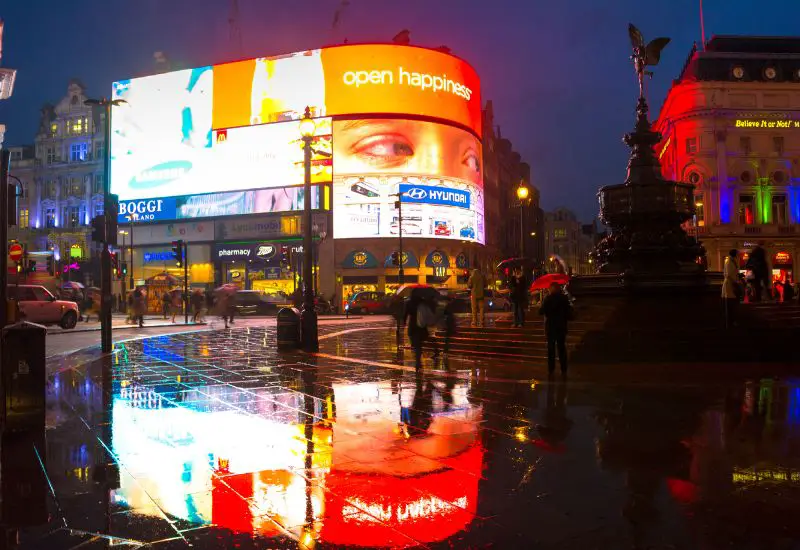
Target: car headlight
(491, 304)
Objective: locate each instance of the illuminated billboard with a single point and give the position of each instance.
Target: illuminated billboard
(224, 140)
(435, 169)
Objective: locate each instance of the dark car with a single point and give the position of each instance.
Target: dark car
(367, 302)
(253, 302)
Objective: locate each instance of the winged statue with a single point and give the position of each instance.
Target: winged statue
(644, 55)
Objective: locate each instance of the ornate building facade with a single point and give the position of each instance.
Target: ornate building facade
(62, 183)
(730, 126)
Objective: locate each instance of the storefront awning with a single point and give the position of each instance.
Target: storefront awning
(410, 260)
(437, 258)
(360, 259)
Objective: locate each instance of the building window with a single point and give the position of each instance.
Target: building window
(99, 151)
(745, 145)
(51, 155)
(51, 189)
(691, 145)
(779, 210)
(24, 218)
(53, 130)
(777, 145)
(699, 204)
(98, 183)
(694, 178)
(82, 219)
(98, 209)
(75, 187)
(559, 233)
(78, 152)
(50, 218)
(72, 217)
(747, 210)
(779, 176)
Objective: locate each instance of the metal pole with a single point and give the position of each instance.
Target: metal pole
(521, 232)
(185, 282)
(131, 285)
(5, 166)
(308, 317)
(401, 274)
(105, 258)
(123, 305)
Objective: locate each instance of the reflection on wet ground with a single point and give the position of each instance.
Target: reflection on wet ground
(215, 440)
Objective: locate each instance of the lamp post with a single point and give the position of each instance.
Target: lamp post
(122, 278)
(308, 316)
(108, 211)
(130, 219)
(522, 195)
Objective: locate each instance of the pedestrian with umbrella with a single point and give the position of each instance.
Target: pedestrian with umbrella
(557, 311)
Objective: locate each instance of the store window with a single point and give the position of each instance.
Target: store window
(779, 210)
(78, 152)
(24, 218)
(691, 145)
(745, 145)
(747, 211)
(699, 203)
(777, 145)
(50, 218)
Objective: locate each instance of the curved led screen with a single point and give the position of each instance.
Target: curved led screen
(225, 133)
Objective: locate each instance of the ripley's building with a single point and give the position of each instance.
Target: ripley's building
(731, 127)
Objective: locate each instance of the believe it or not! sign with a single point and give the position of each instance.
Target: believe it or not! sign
(766, 123)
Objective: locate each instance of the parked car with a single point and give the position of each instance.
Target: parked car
(253, 302)
(367, 302)
(495, 301)
(37, 305)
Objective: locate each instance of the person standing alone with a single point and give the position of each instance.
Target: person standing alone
(731, 290)
(556, 310)
(477, 286)
(519, 296)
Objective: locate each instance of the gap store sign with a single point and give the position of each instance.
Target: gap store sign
(147, 210)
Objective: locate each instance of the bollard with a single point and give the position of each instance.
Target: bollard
(288, 328)
(23, 377)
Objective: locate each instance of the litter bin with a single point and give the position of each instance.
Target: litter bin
(288, 328)
(23, 377)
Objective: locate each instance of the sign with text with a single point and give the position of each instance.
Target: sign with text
(766, 123)
(146, 210)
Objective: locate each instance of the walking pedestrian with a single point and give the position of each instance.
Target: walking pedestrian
(731, 289)
(88, 307)
(197, 305)
(477, 286)
(557, 311)
(139, 306)
(165, 302)
(757, 264)
(418, 316)
(519, 297)
(176, 299)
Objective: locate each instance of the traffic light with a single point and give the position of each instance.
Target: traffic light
(124, 269)
(396, 258)
(99, 229)
(32, 266)
(114, 264)
(177, 249)
(113, 208)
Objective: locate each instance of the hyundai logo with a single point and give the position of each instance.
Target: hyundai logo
(417, 194)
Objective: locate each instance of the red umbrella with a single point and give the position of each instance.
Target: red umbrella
(545, 281)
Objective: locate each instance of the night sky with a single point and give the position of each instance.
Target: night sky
(558, 71)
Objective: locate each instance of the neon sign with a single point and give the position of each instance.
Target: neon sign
(763, 123)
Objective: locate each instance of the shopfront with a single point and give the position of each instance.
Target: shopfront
(410, 270)
(269, 267)
(782, 266)
(361, 268)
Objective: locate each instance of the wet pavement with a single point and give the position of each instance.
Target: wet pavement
(216, 440)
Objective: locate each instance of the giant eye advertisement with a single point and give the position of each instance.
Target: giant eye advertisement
(435, 169)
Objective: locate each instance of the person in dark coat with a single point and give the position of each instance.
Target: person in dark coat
(416, 334)
(757, 264)
(557, 311)
(519, 296)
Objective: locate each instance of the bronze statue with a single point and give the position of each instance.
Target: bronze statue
(644, 56)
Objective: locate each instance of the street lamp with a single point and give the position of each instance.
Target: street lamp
(308, 316)
(522, 195)
(108, 211)
(122, 278)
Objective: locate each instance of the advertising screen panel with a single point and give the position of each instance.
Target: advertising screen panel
(436, 168)
(347, 80)
(163, 145)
